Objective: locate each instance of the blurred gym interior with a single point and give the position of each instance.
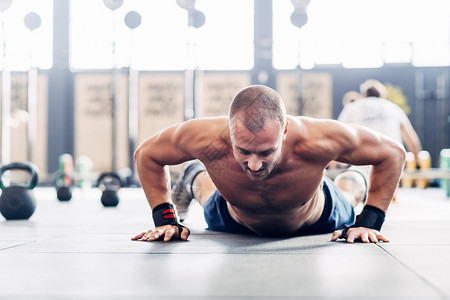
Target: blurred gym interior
(85, 82)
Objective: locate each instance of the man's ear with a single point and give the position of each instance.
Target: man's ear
(285, 130)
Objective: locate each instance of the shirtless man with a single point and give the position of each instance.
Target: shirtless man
(265, 173)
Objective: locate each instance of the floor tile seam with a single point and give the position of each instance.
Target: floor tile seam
(16, 246)
(440, 292)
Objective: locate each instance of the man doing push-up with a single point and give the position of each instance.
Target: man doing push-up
(260, 171)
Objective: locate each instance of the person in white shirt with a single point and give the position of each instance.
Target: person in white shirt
(381, 115)
(374, 111)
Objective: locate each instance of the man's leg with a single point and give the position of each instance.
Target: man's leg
(203, 188)
(353, 183)
(182, 191)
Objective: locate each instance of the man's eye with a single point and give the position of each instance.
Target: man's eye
(244, 152)
(267, 153)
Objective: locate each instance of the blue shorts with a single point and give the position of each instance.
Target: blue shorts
(337, 212)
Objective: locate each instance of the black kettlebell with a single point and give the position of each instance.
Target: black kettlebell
(64, 177)
(17, 201)
(64, 193)
(110, 183)
(63, 189)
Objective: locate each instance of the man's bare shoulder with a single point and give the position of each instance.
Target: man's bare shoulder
(199, 134)
(312, 137)
(205, 127)
(306, 127)
(317, 127)
(310, 121)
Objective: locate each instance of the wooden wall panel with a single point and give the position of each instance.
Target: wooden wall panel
(317, 93)
(161, 102)
(217, 90)
(93, 120)
(19, 121)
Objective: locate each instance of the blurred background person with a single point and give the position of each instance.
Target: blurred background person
(373, 110)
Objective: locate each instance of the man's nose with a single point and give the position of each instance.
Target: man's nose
(254, 163)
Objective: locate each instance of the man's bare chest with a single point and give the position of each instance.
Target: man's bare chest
(286, 188)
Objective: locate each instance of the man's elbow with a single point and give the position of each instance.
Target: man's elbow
(138, 154)
(400, 153)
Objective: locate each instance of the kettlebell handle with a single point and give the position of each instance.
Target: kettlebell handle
(112, 175)
(29, 167)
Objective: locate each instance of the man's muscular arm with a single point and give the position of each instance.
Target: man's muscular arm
(387, 158)
(152, 157)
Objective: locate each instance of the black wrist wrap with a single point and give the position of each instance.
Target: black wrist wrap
(165, 214)
(370, 217)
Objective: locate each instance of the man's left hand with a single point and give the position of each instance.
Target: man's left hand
(365, 235)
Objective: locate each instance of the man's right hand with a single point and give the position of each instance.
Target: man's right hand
(166, 232)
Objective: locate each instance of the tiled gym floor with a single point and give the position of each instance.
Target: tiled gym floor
(80, 250)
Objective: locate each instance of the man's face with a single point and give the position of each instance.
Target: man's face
(257, 153)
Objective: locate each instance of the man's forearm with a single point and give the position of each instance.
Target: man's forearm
(384, 180)
(155, 181)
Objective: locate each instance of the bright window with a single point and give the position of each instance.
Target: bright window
(354, 33)
(163, 40)
(363, 33)
(24, 47)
